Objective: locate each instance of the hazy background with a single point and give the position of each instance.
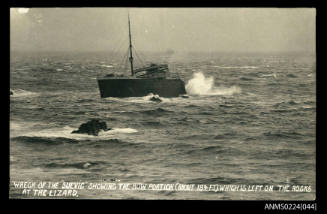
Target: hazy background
(162, 29)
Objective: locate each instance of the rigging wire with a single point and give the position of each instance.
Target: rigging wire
(138, 57)
(143, 56)
(118, 48)
(122, 64)
(119, 42)
(126, 59)
(126, 62)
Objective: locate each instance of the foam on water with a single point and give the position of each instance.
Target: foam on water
(66, 132)
(23, 69)
(149, 96)
(22, 93)
(201, 85)
(120, 130)
(145, 99)
(270, 75)
(129, 99)
(20, 128)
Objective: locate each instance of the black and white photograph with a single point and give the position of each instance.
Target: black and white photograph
(166, 103)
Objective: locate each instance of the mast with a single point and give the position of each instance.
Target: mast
(130, 46)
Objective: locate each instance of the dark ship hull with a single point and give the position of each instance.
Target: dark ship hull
(153, 79)
(139, 87)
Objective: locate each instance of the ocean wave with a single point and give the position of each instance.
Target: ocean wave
(225, 136)
(283, 134)
(121, 130)
(152, 123)
(55, 141)
(25, 68)
(226, 106)
(191, 106)
(201, 85)
(215, 149)
(246, 79)
(78, 165)
(285, 103)
(269, 75)
(222, 180)
(19, 128)
(308, 107)
(66, 133)
(130, 99)
(106, 66)
(44, 140)
(144, 99)
(235, 67)
(114, 143)
(287, 153)
(15, 125)
(197, 137)
(284, 110)
(292, 102)
(84, 100)
(309, 102)
(291, 75)
(23, 93)
(155, 112)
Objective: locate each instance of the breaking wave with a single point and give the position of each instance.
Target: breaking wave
(201, 85)
(155, 112)
(144, 99)
(64, 133)
(122, 130)
(22, 93)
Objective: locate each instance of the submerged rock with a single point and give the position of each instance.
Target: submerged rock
(11, 93)
(155, 98)
(185, 96)
(92, 127)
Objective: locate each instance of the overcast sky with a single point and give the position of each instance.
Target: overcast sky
(161, 29)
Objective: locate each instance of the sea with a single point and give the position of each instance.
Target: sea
(245, 131)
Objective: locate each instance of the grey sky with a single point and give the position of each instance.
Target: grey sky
(160, 29)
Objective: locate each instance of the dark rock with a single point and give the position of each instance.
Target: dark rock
(11, 93)
(92, 127)
(155, 98)
(185, 96)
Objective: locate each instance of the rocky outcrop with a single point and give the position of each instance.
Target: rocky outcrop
(155, 98)
(11, 93)
(92, 127)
